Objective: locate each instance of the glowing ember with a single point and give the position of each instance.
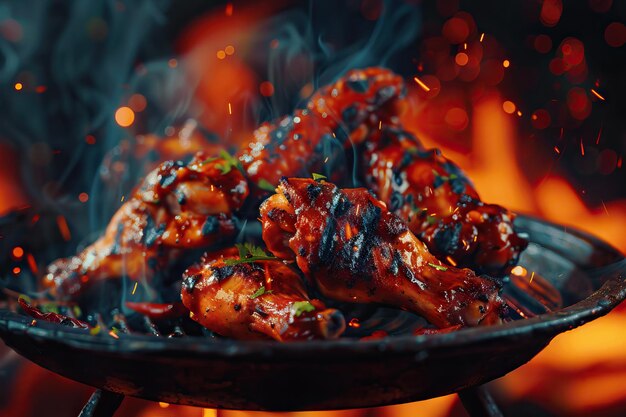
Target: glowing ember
(519, 270)
(461, 59)
(354, 322)
(163, 405)
(221, 54)
(90, 139)
(124, 116)
(508, 107)
(18, 86)
(17, 270)
(229, 9)
(172, 63)
(506, 63)
(229, 50)
(18, 252)
(83, 197)
(137, 103)
(266, 89)
(551, 11)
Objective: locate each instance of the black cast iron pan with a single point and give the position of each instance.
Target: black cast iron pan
(587, 275)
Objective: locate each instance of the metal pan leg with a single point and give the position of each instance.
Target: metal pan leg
(101, 404)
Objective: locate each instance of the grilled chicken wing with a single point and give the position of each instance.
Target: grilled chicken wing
(439, 203)
(176, 207)
(336, 116)
(353, 249)
(255, 300)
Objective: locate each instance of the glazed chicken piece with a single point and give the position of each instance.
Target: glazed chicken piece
(178, 206)
(439, 203)
(353, 249)
(336, 116)
(255, 299)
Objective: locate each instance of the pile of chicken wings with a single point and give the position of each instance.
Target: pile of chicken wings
(414, 235)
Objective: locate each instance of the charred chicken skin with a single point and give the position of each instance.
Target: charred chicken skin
(178, 206)
(439, 203)
(336, 116)
(261, 299)
(354, 249)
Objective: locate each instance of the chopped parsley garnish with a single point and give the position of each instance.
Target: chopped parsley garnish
(318, 177)
(249, 253)
(259, 292)
(230, 162)
(265, 185)
(432, 219)
(300, 307)
(438, 267)
(444, 177)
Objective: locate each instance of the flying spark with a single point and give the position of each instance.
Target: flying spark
(230, 109)
(532, 276)
(135, 288)
(605, 209)
(599, 134)
(557, 150)
(582, 147)
(595, 93)
(421, 84)
(63, 228)
(482, 36)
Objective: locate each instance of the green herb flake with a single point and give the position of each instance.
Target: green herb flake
(249, 253)
(261, 291)
(94, 331)
(438, 267)
(266, 185)
(49, 308)
(300, 307)
(318, 177)
(26, 298)
(230, 162)
(432, 219)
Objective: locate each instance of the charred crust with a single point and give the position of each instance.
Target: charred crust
(222, 272)
(313, 191)
(447, 238)
(189, 283)
(359, 86)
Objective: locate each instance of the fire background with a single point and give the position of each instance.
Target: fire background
(529, 97)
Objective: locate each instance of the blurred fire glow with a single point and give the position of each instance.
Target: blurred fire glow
(455, 104)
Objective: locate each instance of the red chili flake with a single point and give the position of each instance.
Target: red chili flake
(51, 317)
(158, 311)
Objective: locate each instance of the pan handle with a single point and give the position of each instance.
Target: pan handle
(102, 403)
